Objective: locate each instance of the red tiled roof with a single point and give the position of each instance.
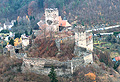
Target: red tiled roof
(117, 58)
(63, 23)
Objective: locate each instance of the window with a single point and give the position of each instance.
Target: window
(31, 66)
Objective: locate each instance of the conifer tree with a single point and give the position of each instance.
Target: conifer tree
(26, 32)
(11, 42)
(31, 31)
(52, 75)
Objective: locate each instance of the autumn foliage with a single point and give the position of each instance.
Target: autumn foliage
(92, 76)
(46, 48)
(31, 7)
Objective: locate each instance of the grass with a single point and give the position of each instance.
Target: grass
(109, 47)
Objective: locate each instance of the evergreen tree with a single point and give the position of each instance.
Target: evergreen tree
(11, 42)
(15, 23)
(26, 33)
(31, 17)
(18, 35)
(82, 23)
(31, 31)
(52, 75)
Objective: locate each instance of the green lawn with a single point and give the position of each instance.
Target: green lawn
(107, 46)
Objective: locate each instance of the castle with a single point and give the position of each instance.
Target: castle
(82, 50)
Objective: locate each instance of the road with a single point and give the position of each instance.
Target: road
(104, 28)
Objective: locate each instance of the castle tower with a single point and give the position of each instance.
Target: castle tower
(89, 41)
(83, 38)
(52, 19)
(80, 37)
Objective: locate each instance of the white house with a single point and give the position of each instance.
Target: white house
(8, 25)
(25, 40)
(6, 38)
(1, 28)
(13, 21)
(12, 34)
(118, 36)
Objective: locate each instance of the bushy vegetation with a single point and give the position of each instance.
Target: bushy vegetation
(18, 35)
(4, 31)
(104, 57)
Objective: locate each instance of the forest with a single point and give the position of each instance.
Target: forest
(85, 12)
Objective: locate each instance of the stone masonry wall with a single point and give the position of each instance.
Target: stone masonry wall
(43, 66)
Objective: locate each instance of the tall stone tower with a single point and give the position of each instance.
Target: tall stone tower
(52, 19)
(89, 41)
(83, 38)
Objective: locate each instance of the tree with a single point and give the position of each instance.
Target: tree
(31, 7)
(31, 31)
(52, 75)
(82, 23)
(4, 31)
(26, 33)
(11, 42)
(40, 3)
(18, 35)
(15, 23)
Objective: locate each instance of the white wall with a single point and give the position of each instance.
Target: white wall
(88, 59)
(25, 42)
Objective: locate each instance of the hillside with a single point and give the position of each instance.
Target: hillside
(47, 49)
(12, 8)
(97, 72)
(81, 11)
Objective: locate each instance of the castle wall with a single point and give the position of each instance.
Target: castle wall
(88, 58)
(64, 39)
(43, 66)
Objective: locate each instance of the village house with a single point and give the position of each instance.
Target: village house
(25, 41)
(118, 36)
(9, 25)
(1, 28)
(6, 39)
